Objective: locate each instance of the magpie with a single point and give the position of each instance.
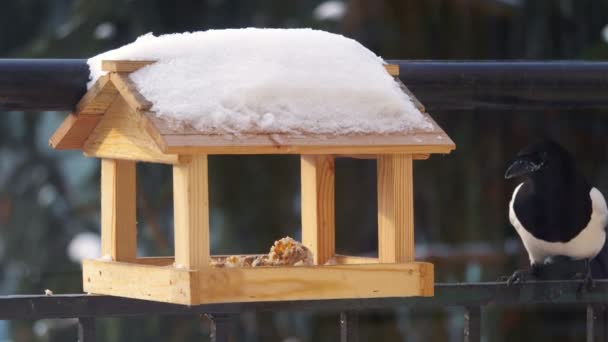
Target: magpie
(555, 211)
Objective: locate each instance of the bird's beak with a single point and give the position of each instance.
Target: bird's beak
(520, 167)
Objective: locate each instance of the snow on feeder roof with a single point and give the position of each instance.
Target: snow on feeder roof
(267, 81)
(250, 91)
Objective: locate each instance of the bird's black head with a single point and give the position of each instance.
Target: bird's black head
(538, 158)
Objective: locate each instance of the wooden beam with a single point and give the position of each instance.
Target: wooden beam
(318, 221)
(123, 66)
(74, 131)
(395, 208)
(191, 213)
(319, 282)
(118, 215)
(97, 99)
(354, 260)
(119, 135)
(392, 69)
(129, 91)
(157, 283)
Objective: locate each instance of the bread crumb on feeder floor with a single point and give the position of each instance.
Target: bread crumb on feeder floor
(284, 252)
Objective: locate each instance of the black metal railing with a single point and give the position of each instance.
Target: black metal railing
(439, 85)
(47, 85)
(473, 297)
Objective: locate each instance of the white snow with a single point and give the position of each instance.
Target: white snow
(267, 81)
(330, 10)
(84, 245)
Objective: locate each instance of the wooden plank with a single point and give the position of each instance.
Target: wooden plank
(225, 285)
(187, 140)
(156, 261)
(392, 69)
(74, 131)
(354, 260)
(119, 136)
(395, 208)
(129, 91)
(191, 213)
(374, 156)
(264, 144)
(220, 285)
(97, 99)
(118, 215)
(318, 222)
(76, 128)
(123, 66)
(161, 284)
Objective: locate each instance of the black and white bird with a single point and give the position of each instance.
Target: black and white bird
(554, 210)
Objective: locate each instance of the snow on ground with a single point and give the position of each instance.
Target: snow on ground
(267, 81)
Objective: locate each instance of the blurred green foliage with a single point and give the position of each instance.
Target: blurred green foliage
(48, 197)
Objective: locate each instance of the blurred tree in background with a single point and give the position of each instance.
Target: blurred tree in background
(49, 200)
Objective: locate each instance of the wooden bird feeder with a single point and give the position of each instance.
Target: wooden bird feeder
(112, 122)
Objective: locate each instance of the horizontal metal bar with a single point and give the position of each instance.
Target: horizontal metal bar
(466, 294)
(57, 84)
(42, 84)
(494, 85)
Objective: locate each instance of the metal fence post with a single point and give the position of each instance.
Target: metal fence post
(86, 329)
(349, 323)
(223, 327)
(472, 324)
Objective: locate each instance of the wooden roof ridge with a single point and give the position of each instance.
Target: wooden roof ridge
(184, 139)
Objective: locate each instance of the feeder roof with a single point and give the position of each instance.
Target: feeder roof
(87, 129)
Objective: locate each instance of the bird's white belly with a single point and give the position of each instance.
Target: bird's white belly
(586, 244)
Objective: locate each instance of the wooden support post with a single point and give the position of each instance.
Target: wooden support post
(318, 222)
(395, 208)
(191, 213)
(118, 216)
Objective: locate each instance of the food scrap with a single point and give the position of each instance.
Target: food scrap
(284, 252)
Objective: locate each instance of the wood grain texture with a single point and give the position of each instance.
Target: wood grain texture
(76, 127)
(374, 156)
(191, 213)
(129, 92)
(354, 260)
(97, 99)
(317, 174)
(74, 131)
(319, 282)
(119, 135)
(392, 69)
(395, 208)
(161, 284)
(118, 214)
(123, 66)
(224, 285)
(420, 143)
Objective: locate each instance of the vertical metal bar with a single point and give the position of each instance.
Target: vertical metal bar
(472, 324)
(602, 318)
(86, 329)
(590, 323)
(597, 320)
(223, 327)
(349, 323)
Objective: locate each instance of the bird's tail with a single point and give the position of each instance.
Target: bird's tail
(599, 264)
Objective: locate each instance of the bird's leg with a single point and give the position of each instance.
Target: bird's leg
(588, 282)
(521, 276)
